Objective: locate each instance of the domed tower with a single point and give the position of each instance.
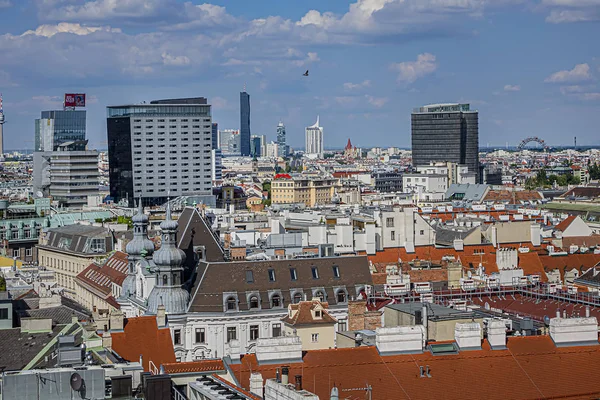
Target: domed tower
(137, 249)
(169, 260)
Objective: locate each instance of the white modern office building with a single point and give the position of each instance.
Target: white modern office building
(314, 140)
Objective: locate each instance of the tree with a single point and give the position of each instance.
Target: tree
(594, 171)
(2, 284)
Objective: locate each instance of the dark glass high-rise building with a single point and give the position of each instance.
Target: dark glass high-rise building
(446, 132)
(255, 147)
(281, 140)
(215, 136)
(245, 123)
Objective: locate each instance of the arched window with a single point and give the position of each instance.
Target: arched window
(341, 296)
(297, 298)
(276, 300)
(231, 304)
(141, 287)
(253, 302)
(175, 279)
(165, 279)
(320, 295)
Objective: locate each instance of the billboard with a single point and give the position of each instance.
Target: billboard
(74, 99)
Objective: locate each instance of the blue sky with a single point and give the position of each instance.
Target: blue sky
(531, 67)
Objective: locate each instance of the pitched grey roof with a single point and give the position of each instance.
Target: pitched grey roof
(216, 278)
(193, 230)
(75, 238)
(18, 349)
(472, 192)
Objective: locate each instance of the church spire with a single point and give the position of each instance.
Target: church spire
(169, 260)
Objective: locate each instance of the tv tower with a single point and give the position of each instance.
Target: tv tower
(1, 128)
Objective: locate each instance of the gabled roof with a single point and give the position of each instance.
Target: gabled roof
(142, 336)
(531, 367)
(563, 225)
(303, 314)
(193, 230)
(101, 277)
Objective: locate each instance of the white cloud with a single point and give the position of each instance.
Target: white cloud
(376, 101)
(570, 11)
(512, 88)
(176, 61)
(347, 101)
(353, 86)
(219, 103)
(581, 92)
(410, 71)
(310, 58)
(5, 3)
(66, 27)
(579, 73)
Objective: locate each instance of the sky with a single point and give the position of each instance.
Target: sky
(531, 67)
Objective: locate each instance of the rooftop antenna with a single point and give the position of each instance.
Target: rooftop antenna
(244, 86)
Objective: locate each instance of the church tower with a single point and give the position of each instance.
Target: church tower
(136, 250)
(169, 260)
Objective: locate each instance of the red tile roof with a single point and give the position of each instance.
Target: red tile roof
(565, 223)
(534, 308)
(101, 277)
(513, 197)
(530, 368)
(194, 366)
(141, 336)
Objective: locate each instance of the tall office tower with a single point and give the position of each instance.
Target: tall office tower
(314, 140)
(67, 174)
(256, 146)
(1, 127)
(281, 142)
(160, 148)
(229, 142)
(62, 166)
(215, 136)
(446, 132)
(55, 128)
(245, 123)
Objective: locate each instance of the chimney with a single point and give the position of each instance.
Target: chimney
(425, 321)
(558, 313)
(256, 384)
(496, 334)
(285, 375)
(535, 234)
(107, 341)
(277, 376)
(116, 320)
(161, 316)
(587, 311)
(468, 335)
(298, 385)
(564, 313)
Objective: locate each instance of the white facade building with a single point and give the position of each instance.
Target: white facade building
(314, 141)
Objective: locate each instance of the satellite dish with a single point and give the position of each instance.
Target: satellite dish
(76, 382)
(39, 194)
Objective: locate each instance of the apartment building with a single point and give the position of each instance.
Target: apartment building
(287, 189)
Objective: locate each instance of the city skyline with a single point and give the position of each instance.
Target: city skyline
(366, 74)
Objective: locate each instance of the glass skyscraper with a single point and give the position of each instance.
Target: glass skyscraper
(244, 123)
(255, 147)
(281, 141)
(55, 128)
(446, 132)
(215, 136)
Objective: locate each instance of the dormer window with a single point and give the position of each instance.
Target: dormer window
(341, 296)
(317, 313)
(276, 301)
(297, 298)
(231, 304)
(253, 302)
